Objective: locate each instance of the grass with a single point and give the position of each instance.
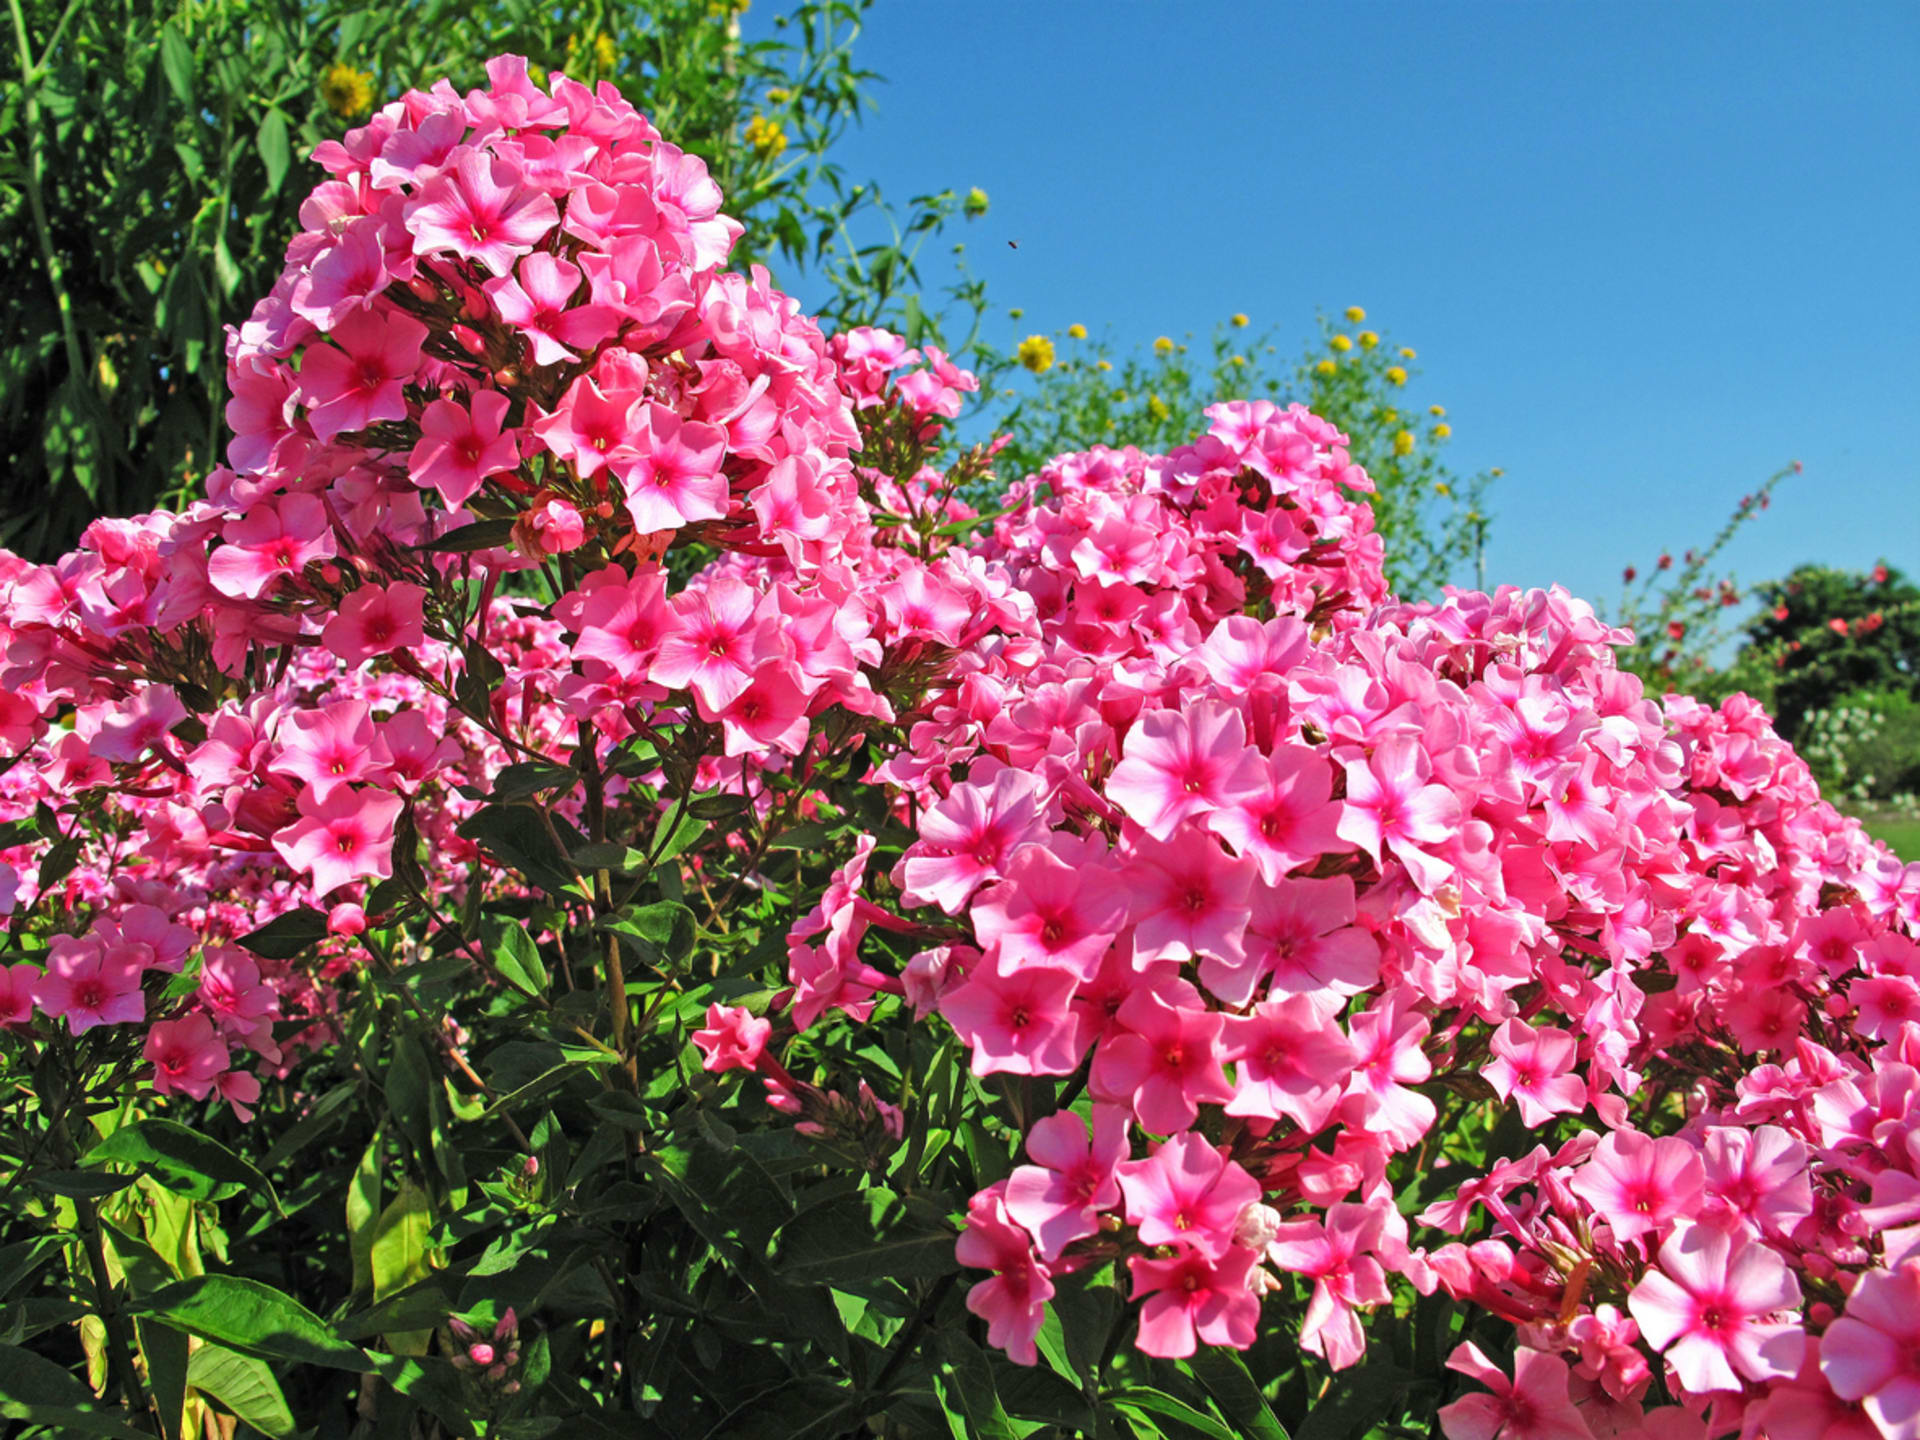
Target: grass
(1902, 836)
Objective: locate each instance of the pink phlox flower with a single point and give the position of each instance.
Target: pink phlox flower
(1706, 1309)
(1059, 1197)
(623, 623)
(128, 729)
(1022, 1024)
(1014, 1301)
(1640, 1184)
(1180, 764)
(16, 993)
(1045, 911)
(416, 749)
(1390, 806)
(1387, 1059)
(270, 543)
(671, 472)
(90, 984)
(591, 427)
(1166, 1062)
(345, 837)
(1755, 1178)
(186, 1055)
(1192, 1297)
(347, 276)
(1301, 933)
(733, 1039)
(1242, 653)
(1579, 808)
(1273, 541)
(1806, 1408)
(1189, 898)
(478, 209)
(1533, 1067)
(1871, 1354)
(551, 527)
(1534, 1405)
(1609, 1351)
(360, 378)
(711, 646)
(1334, 1255)
(167, 943)
(1187, 1193)
(1882, 1004)
(461, 445)
(376, 619)
(966, 838)
(921, 602)
(1289, 819)
(539, 303)
(330, 748)
(239, 1001)
(770, 714)
(1291, 1059)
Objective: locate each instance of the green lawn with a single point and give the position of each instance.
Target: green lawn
(1902, 835)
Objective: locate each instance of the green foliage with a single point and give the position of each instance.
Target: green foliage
(1838, 633)
(153, 159)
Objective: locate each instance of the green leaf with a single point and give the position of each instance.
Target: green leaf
(518, 958)
(181, 1160)
(481, 535)
(36, 1390)
(80, 1184)
(176, 60)
(1145, 1399)
(667, 845)
(515, 836)
(1232, 1386)
(1358, 1401)
(254, 1319)
(276, 149)
(869, 1235)
(662, 932)
(285, 937)
(19, 1263)
(399, 1251)
(964, 1381)
(529, 777)
(243, 1386)
(363, 1207)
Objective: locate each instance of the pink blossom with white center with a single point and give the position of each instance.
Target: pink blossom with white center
(1301, 934)
(1189, 898)
(461, 445)
(1186, 1193)
(1291, 1059)
(479, 210)
(1181, 764)
(90, 984)
(1288, 819)
(1242, 652)
(330, 748)
(1059, 1197)
(1387, 1059)
(711, 646)
(1884, 1003)
(346, 837)
(1534, 1405)
(672, 473)
(1871, 1354)
(1533, 1068)
(1391, 806)
(360, 379)
(966, 838)
(1165, 1062)
(538, 302)
(1640, 1184)
(1048, 912)
(375, 620)
(186, 1055)
(1707, 1306)
(1192, 1298)
(271, 543)
(1014, 1301)
(733, 1039)
(1334, 1255)
(1022, 1024)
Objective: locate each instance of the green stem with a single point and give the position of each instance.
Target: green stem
(36, 197)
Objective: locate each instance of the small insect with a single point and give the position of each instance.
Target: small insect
(1013, 244)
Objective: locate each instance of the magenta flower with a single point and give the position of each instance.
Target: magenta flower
(479, 210)
(346, 837)
(711, 646)
(16, 993)
(1534, 1405)
(1190, 1298)
(1640, 1184)
(672, 472)
(622, 622)
(1387, 1060)
(1014, 1302)
(461, 445)
(1022, 1023)
(1189, 898)
(360, 378)
(90, 984)
(375, 620)
(1059, 1197)
(186, 1056)
(1872, 1352)
(331, 747)
(1165, 1062)
(770, 714)
(1301, 933)
(1756, 1178)
(1533, 1068)
(1187, 1193)
(1706, 1309)
(1333, 1254)
(1178, 764)
(271, 542)
(1288, 820)
(591, 428)
(1291, 1059)
(539, 304)
(1391, 806)
(733, 1039)
(1047, 912)
(966, 838)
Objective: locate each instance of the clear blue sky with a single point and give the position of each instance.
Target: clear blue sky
(1648, 253)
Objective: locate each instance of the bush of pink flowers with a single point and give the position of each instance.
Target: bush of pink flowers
(580, 652)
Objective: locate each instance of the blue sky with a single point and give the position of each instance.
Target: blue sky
(1648, 253)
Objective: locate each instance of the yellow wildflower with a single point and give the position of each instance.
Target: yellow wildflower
(1239, 321)
(1076, 332)
(1496, 472)
(1406, 353)
(1325, 367)
(1163, 346)
(1442, 430)
(1341, 343)
(1157, 408)
(1396, 375)
(1440, 487)
(1355, 314)
(975, 205)
(1436, 411)
(1389, 416)
(1103, 365)
(1036, 353)
(1236, 359)
(604, 53)
(1368, 339)
(765, 136)
(346, 91)
(1403, 443)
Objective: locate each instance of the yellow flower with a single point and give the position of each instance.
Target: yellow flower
(1103, 365)
(1239, 321)
(765, 136)
(1436, 410)
(1396, 375)
(1355, 314)
(346, 91)
(604, 53)
(778, 96)
(1157, 408)
(1076, 332)
(1236, 360)
(1442, 431)
(1368, 339)
(1163, 346)
(1325, 367)
(1440, 487)
(1496, 471)
(1403, 443)
(1406, 353)
(1036, 353)
(975, 205)
(1341, 343)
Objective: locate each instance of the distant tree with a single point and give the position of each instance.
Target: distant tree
(1834, 633)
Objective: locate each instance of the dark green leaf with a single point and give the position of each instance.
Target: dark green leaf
(243, 1386)
(254, 1319)
(515, 836)
(662, 932)
(287, 936)
(870, 1235)
(964, 1381)
(181, 1160)
(79, 1184)
(529, 777)
(481, 535)
(176, 59)
(276, 150)
(1227, 1380)
(1144, 1398)
(518, 958)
